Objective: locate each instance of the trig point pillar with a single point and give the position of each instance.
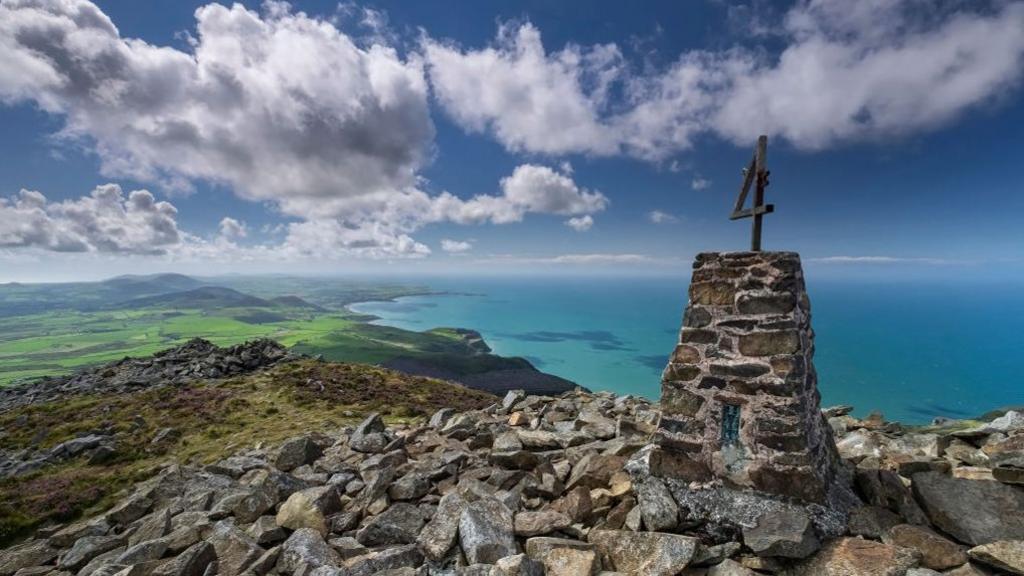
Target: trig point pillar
(739, 397)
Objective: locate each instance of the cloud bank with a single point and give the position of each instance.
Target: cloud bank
(846, 72)
(281, 107)
(104, 221)
(335, 132)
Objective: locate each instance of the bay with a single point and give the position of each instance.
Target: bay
(911, 350)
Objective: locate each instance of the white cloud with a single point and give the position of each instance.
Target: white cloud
(876, 260)
(699, 183)
(659, 217)
(875, 69)
(455, 245)
(280, 106)
(324, 238)
(284, 108)
(377, 228)
(104, 221)
(580, 223)
(844, 73)
(529, 99)
(529, 189)
(231, 228)
(595, 259)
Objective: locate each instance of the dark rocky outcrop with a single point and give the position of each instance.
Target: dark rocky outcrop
(506, 374)
(196, 359)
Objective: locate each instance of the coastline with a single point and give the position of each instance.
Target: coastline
(865, 365)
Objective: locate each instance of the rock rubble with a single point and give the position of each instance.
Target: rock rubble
(539, 485)
(195, 359)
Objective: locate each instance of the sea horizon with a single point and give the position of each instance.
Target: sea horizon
(912, 350)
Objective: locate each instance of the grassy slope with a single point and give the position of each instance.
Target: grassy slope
(60, 342)
(215, 419)
(57, 342)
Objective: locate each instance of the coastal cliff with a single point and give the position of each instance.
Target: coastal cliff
(282, 465)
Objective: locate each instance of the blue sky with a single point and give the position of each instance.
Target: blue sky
(507, 137)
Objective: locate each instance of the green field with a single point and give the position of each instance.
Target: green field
(54, 329)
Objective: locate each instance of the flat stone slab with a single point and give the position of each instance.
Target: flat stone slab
(652, 553)
(857, 557)
(1005, 555)
(975, 512)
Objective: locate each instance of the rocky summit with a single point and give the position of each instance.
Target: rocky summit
(533, 485)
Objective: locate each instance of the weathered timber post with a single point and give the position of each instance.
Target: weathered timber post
(757, 174)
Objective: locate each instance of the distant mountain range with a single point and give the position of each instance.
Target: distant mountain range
(134, 291)
(151, 284)
(203, 298)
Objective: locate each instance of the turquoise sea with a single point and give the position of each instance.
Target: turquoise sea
(913, 351)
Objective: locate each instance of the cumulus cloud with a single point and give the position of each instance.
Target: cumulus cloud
(231, 228)
(104, 221)
(580, 223)
(660, 217)
(455, 246)
(530, 188)
(843, 73)
(377, 228)
(528, 98)
(280, 106)
(699, 183)
(286, 109)
(875, 69)
(330, 238)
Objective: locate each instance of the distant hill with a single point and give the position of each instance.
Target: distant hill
(18, 299)
(166, 281)
(204, 297)
(134, 286)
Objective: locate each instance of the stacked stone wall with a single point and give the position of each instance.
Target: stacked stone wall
(746, 346)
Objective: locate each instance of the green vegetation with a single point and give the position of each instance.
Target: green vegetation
(54, 329)
(213, 419)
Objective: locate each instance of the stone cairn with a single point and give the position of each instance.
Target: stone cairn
(740, 403)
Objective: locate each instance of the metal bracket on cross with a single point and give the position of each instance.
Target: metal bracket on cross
(756, 173)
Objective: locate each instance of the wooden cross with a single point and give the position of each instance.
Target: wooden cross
(757, 174)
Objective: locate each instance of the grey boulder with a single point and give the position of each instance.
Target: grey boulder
(972, 511)
(787, 533)
(369, 436)
(486, 532)
(399, 524)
